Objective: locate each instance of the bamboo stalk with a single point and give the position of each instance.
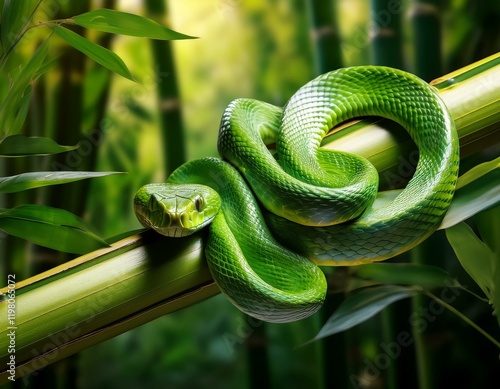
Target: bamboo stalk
(387, 50)
(424, 254)
(169, 104)
(142, 277)
(325, 35)
(426, 22)
(386, 35)
(107, 292)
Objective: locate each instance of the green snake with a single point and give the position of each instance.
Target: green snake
(319, 204)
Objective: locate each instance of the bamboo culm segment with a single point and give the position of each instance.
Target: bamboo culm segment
(98, 290)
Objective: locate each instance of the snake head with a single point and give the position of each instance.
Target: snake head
(176, 210)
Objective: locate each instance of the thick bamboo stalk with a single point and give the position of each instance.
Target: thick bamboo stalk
(104, 293)
(107, 292)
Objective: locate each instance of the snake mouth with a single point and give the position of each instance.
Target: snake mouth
(171, 223)
(167, 223)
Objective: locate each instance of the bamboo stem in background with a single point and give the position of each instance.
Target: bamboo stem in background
(426, 24)
(107, 292)
(386, 50)
(169, 103)
(325, 35)
(425, 361)
(386, 38)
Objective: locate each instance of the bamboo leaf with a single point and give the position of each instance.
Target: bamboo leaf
(488, 224)
(116, 22)
(46, 66)
(15, 15)
(406, 274)
(50, 227)
(477, 172)
(20, 115)
(13, 104)
(101, 55)
(474, 256)
(479, 189)
(32, 180)
(21, 145)
(361, 305)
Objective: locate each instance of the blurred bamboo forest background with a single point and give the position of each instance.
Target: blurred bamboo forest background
(264, 50)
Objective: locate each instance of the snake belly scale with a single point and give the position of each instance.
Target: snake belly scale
(320, 205)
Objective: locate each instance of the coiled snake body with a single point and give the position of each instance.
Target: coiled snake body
(318, 203)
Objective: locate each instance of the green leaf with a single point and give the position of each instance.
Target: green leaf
(22, 112)
(21, 145)
(101, 55)
(479, 189)
(15, 15)
(50, 227)
(406, 274)
(15, 101)
(46, 66)
(474, 256)
(123, 23)
(361, 305)
(477, 172)
(32, 180)
(488, 224)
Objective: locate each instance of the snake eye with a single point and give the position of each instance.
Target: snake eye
(199, 203)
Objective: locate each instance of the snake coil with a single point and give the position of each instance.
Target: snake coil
(319, 204)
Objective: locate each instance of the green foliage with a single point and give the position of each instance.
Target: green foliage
(15, 16)
(37, 223)
(480, 257)
(477, 190)
(98, 53)
(476, 258)
(50, 227)
(14, 106)
(424, 276)
(124, 23)
(20, 146)
(25, 181)
(361, 306)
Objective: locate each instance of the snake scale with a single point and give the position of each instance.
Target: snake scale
(275, 216)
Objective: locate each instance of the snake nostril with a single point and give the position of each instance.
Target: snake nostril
(152, 203)
(166, 219)
(184, 219)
